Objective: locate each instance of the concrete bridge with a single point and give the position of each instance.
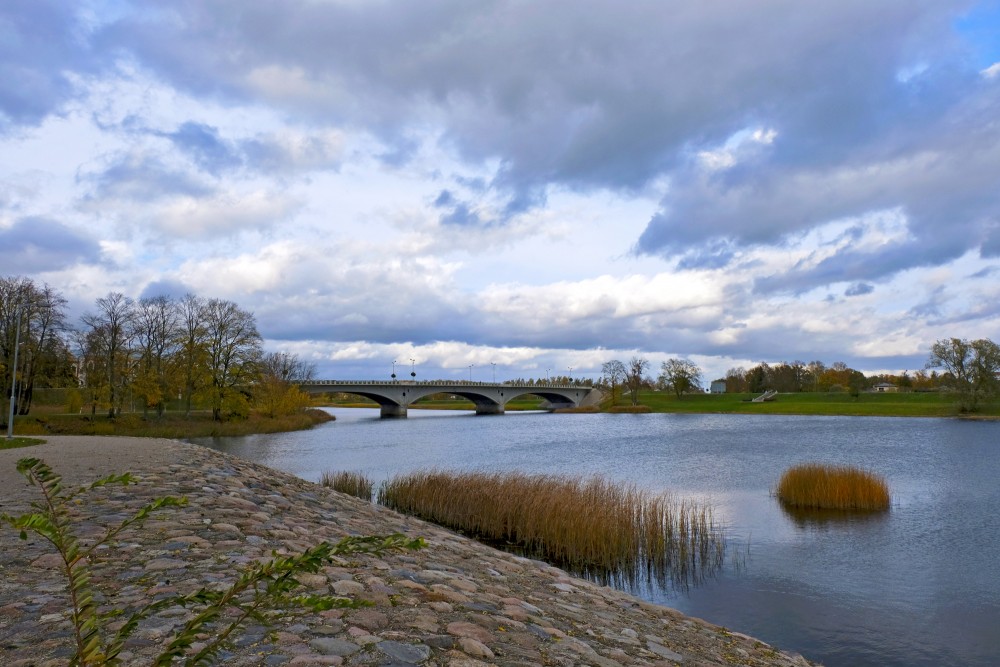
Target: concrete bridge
(489, 397)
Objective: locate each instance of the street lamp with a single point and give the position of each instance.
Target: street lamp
(393, 370)
(413, 373)
(470, 372)
(571, 375)
(547, 374)
(13, 375)
(494, 365)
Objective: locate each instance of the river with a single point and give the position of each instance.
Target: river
(917, 586)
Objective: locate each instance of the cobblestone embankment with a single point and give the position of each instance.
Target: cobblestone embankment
(455, 603)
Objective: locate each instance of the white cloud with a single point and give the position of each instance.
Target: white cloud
(224, 215)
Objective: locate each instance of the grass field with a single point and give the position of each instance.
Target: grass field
(888, 405)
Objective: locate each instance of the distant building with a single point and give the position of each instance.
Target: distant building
(885, 388)
(718, 387)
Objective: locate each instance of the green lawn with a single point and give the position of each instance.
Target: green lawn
(16, 442)
(889, 405)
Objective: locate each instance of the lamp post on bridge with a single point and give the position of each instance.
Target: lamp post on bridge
(470, 372)
(413, 373)
(393, 370)
(571, 375)
(494, 365)
(547, 375)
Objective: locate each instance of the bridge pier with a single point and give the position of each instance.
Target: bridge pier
(393, 411)
(493, 409)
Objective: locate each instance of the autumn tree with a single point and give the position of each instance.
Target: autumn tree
(233, 348)
(275, 391)
(974, 367)
(681, 375)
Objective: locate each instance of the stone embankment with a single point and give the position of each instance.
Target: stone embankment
(455, 603)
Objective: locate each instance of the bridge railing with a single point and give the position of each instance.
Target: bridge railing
(439, 383)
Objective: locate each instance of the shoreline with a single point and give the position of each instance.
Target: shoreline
(457, 602)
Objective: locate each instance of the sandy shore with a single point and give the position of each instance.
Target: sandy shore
(456, 602)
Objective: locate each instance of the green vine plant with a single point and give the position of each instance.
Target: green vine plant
(261, 593)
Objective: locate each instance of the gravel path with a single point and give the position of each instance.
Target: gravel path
(456, 603)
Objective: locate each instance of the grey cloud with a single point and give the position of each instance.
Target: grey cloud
(859, 289)
(943, 178)
(461, 216)
(34, 244)
(142, 177)
(581, 95)
(169, 288)
(40, 41)
(262, 153)
(852, 264)
(206, 148)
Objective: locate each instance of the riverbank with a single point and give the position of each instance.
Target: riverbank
(457, 602)
(174, 425)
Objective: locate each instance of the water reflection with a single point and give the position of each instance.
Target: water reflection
(812, 518)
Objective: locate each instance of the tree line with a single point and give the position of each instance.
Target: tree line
(970, 369)
(150, 350)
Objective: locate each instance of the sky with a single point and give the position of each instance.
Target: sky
(517, 188)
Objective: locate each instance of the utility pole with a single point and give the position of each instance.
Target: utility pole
(13, 375)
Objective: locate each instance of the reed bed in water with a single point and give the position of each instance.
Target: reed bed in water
(820, 486)
(351, 483)
(593, 526)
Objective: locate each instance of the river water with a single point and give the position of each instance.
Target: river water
(919, 585)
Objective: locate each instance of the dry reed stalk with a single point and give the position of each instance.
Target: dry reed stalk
(351, 483)
(821, 486)
(590, 525)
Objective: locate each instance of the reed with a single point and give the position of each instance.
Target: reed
(593, 526)
(821, 486)
(349, 482)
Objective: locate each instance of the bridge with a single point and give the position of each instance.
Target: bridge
(489, 397)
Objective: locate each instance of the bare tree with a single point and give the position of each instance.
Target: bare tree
(111, 332)
(234, 348)
(157, 335)
(42, 352)
(634, 376)
(193, 349)
(736, 380)
(614, 372)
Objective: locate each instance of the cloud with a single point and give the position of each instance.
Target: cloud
(36, 245)
(280, 153)
(859, 289)
(41, 44)
(586, 96)
(224, 214)
(203, 144)
(143, 177)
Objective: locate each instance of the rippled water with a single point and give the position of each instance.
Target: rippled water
(917, 586)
